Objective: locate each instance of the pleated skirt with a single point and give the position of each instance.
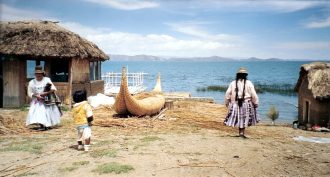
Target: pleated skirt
(243, 116)
(39, 113)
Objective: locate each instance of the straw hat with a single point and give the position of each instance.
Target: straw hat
(242, 70)
(38, 70)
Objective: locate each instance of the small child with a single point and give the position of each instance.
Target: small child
(83, 117)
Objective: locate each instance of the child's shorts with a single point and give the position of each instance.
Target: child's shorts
(84, 132)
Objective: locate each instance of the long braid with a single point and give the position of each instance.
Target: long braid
(236, 90)
(240, 100)
(244, 89)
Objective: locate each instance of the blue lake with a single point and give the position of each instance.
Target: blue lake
(187, 76)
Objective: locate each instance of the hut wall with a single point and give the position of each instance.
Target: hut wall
(14, 79)
(318, 110)
(62, 91)
(81, 80)
(80, 71)
(97, 87)
(303, 95)
(92, 87)
(323, 111)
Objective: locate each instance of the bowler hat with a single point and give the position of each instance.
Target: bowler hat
(38, 70)
(242, 70)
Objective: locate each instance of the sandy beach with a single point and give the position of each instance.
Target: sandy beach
(190, 140)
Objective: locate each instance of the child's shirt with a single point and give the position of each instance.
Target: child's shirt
(81, 111)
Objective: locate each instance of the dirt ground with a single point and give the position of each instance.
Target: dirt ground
(190, 140)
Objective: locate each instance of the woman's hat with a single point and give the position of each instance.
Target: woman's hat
(38, 70)
(242, 70)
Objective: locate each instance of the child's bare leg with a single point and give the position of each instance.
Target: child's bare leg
(87, 141)
(80, 145)
(87, 144)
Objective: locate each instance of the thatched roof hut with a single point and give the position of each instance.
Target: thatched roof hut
(72, 62)
(313, 87)
(318, 74)
(45, 38)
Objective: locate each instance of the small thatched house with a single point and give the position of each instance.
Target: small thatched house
(70, 61)
(313, 89)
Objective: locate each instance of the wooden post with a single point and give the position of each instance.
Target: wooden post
(169, 104)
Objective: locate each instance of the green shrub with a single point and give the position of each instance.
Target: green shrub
(273, 114)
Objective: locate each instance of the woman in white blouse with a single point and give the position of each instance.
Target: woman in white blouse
(39, 113)
(241, 100)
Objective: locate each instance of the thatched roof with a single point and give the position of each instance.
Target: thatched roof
(45, 39)
(318, 75)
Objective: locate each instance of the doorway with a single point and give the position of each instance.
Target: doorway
(306, 111)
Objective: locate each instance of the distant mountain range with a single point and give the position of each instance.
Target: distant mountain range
(211, 58)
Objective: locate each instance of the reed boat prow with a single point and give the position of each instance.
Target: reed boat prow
(120, 106)
(158, 86)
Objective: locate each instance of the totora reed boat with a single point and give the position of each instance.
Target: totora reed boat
(150, 104)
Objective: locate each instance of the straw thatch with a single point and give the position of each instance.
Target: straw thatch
(318, 75)
(45, 39)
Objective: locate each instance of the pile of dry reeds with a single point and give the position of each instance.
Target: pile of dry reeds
(12, 123)
(185, 116)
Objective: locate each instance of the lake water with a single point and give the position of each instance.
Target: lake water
(187, 76)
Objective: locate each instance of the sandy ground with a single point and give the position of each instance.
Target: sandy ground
(190, 141)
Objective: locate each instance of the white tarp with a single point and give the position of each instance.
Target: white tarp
(100, 99)
(312, 139)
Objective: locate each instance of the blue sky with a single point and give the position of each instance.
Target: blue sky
(286, 29)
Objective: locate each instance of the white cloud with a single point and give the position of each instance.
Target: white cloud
(126, 4)
(9, 13)
(114, 42)
(197, 29)
(324, 23)
(292, 5)
(258, 5)
(314, 45)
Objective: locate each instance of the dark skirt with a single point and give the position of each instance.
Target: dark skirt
(243, 116)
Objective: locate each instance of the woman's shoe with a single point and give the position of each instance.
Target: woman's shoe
(242, 136)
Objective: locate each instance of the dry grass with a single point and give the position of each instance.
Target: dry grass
(10, 124)
(186, 116)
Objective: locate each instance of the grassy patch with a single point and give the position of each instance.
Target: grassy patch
(146, 140)
(139, 145)
(65, 122)
(75, 166)
(80, 163)
(27, 174)
(104, 142)
(104, 153)
(68, 169)
(113, 167)
(27, 146)
(25, 107)
(64, 108)
(151, 138)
